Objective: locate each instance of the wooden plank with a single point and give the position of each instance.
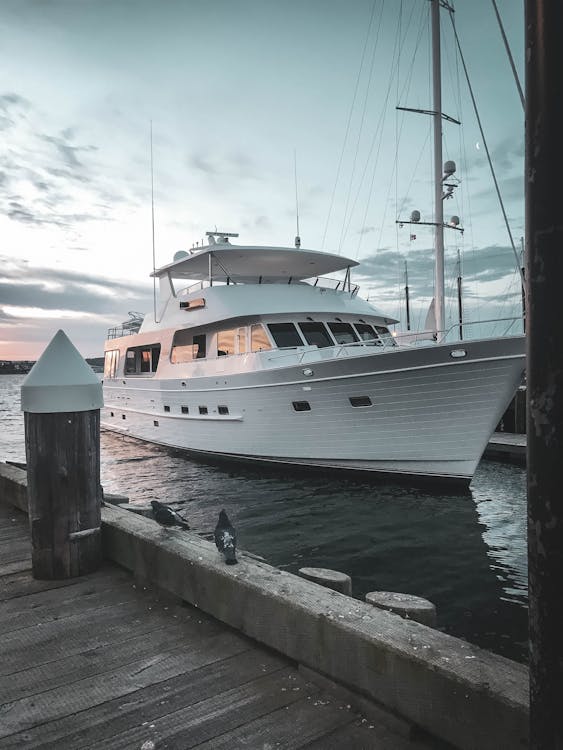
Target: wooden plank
(40, 644)
(212, 717)
(85, 601)
(140, 708)
(38, 679)
(67, 700)
(21, 584)
(16, 549)
(45, 597)
(16, 567)
(310, 717)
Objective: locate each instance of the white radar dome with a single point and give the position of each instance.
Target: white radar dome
(449, 168)
(180, 254)
(454, 221)
(415, 216)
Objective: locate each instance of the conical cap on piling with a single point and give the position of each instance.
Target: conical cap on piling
(61, 381)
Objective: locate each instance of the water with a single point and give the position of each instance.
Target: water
(465, 553)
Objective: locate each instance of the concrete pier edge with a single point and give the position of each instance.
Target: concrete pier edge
(455, 691)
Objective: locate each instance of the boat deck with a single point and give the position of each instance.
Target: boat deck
(100, 661)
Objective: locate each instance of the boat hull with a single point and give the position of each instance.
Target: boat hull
(431, 415)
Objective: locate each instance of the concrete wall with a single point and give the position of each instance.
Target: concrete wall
(468, 697)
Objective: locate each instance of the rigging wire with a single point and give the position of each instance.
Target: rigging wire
(360, 131)
(153, 246)
(510, 58)
(487, 151)
(297, 238)
(348, 123)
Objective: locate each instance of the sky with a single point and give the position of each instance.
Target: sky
(244, 96)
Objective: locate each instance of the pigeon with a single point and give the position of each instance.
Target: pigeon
(226, 538)
(165, 516)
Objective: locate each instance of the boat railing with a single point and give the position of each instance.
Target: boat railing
(128, 328)
(322, 282)
(468, 330)
(314, 353)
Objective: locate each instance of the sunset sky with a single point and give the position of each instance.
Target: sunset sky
(234, 88)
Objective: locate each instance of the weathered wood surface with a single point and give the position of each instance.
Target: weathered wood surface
(64, 492)
(100, 661)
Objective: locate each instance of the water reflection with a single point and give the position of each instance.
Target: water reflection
(464, 553)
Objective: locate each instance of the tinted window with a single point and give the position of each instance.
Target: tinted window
(302, 406)
(343, 333)
(259, 339)
(285, 334)
(386, 336)
(186, 347)
(367, 333)
(241, 337)
(141, 359)
(316, 334)
(111, 360)
(225, 343)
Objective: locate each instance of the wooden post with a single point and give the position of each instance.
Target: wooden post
(330, 579)
(544, 275)
(61, 399)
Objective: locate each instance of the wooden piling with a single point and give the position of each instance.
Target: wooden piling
(330, 579)
(544, 274)
(61, 399)
(406, 605)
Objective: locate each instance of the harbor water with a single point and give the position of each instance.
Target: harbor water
(466, 553)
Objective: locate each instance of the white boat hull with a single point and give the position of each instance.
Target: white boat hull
(431, 414)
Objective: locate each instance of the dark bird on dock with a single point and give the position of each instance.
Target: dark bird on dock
(226, 538)
(165, 516)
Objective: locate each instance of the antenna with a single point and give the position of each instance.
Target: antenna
(153, 248)
(297, 237)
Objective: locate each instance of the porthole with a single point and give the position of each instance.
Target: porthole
(223, 409)
(458, 353)
(301, 406)
(185, 410)
(308, 372)
(155, 422)
(203, 409)
(360, 401)
(166, 408)
(123, 416)
(111, 414)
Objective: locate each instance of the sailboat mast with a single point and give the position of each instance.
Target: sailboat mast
(440, 309)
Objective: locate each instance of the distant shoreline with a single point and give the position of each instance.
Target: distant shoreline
(15, 367)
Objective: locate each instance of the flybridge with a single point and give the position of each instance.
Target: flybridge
(222, 261)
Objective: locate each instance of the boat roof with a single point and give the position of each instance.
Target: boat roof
(248, 263)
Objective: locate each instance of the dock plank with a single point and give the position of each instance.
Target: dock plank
(101, 662)
(141, 708)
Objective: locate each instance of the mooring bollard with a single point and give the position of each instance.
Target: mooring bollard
(408, 606)
(61, 399)
(331, 579)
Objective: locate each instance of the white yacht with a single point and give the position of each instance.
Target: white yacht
(264, 360)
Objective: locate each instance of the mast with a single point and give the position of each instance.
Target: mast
(438, 198)
(407, 297)
(459, 297)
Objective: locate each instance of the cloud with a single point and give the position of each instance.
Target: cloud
(23, 286)
(235, 164)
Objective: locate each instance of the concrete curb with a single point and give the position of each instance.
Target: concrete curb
(469, 697)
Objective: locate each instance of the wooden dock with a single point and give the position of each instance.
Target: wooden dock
(99, 661)
(507, 446)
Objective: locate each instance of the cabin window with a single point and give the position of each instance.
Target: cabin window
(187, 347)
(155, 422)
(360, 401)
(142, 359)
(185, 410)
(316, 334)
(259, 338)
(343, 333)
(367, 333)
(111, 361)
(302, 406)
(166, 408)
(385, 334)
(203, 409)
(223, 409)
(241, 340)
(225, 343)
(285, 334)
